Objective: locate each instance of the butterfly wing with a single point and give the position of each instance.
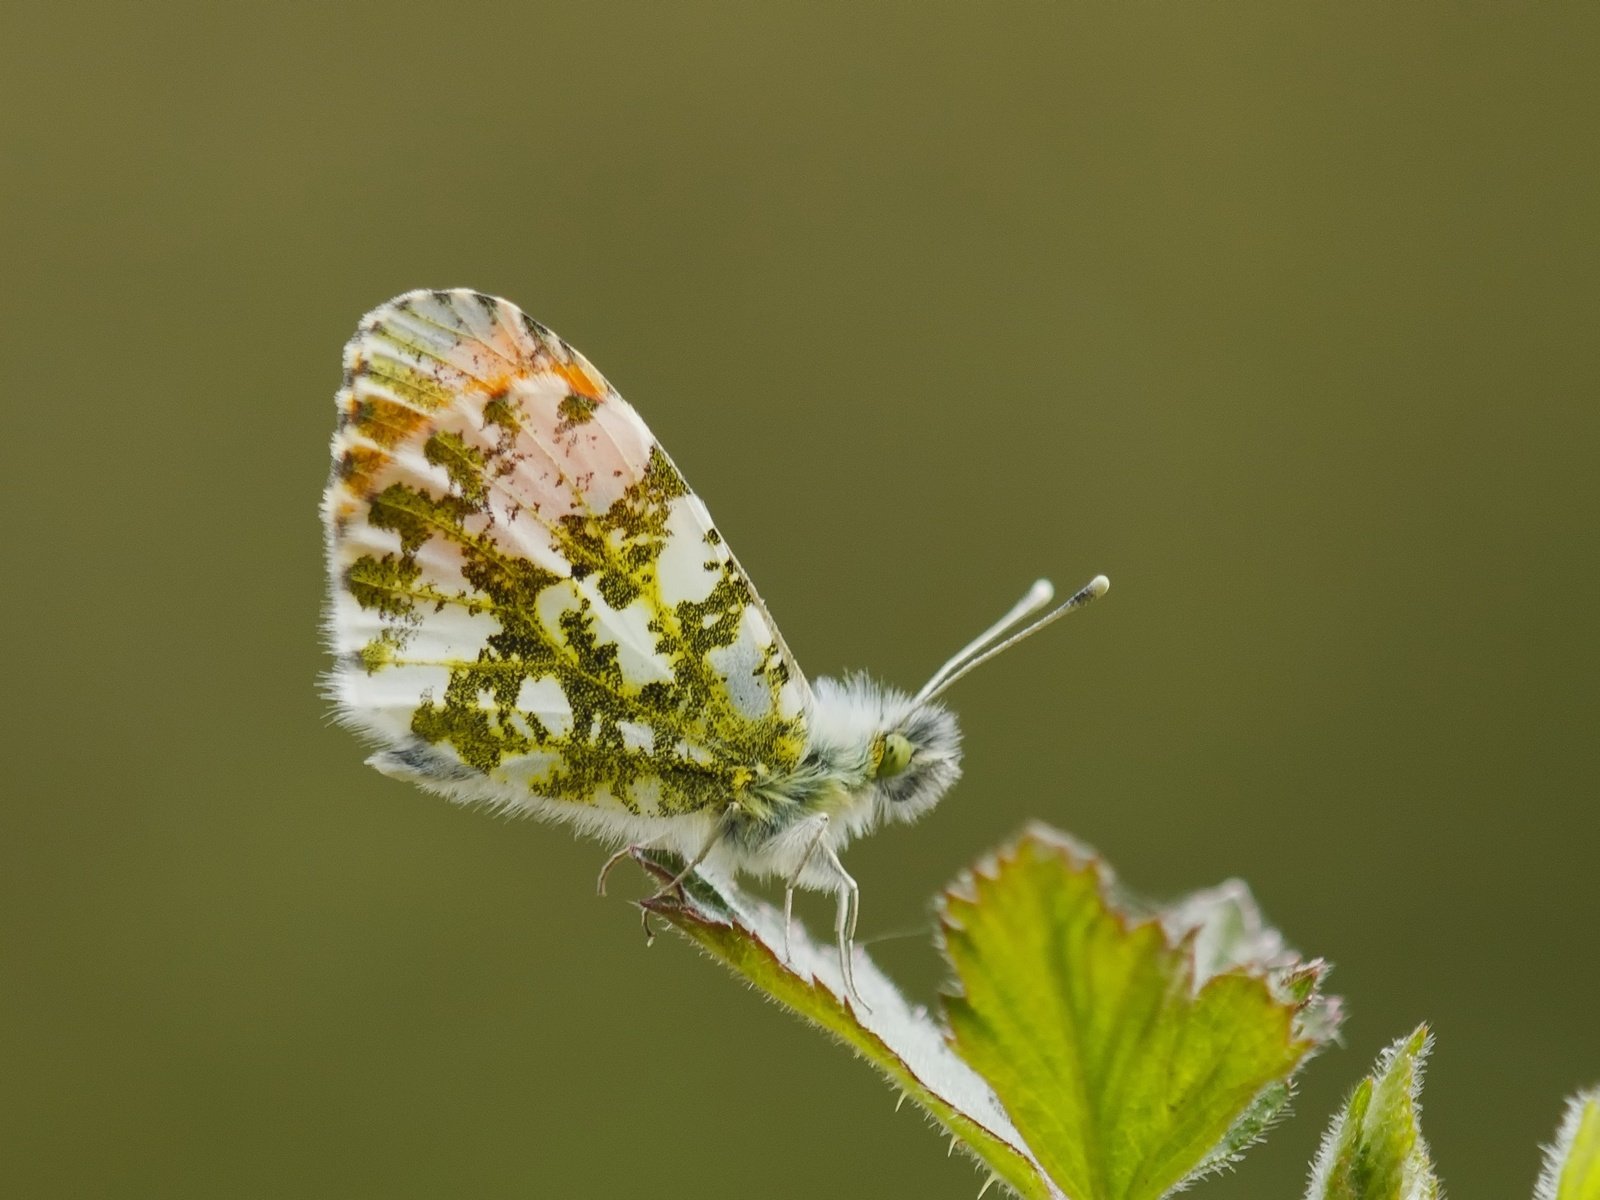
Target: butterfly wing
(528, 605)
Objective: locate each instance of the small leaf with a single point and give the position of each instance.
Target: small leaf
(900, 1040)
(1374, 1149)
(1572, 1163)
(1132, 1054)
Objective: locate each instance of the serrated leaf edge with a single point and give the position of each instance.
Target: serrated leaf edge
(1131, 913)
(1290, 981)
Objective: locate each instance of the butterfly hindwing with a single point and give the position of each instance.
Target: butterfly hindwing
(529, 606)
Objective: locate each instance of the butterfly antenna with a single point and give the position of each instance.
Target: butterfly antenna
(993, 640)
(1035, 598)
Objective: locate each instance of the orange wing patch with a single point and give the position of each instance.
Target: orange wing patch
(579, 380)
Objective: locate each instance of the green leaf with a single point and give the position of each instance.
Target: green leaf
(1134, 1049)
(1100, 1049)
(1374, 1149)
(899, 1039)
(1572, 1163)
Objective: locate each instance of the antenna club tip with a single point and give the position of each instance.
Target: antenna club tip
(1041, 592)
(1098, 586)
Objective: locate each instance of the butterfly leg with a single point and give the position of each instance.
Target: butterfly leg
(788, 922)
(718, 832)
(844, 924)
(790, 884)
(600, 883)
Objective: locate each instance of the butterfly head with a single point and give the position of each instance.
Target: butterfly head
(896, 755)
(916, 757)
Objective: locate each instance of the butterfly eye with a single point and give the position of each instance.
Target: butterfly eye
(896, 755)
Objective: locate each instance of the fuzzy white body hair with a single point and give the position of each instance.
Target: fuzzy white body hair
(847, 723)
(849, 717)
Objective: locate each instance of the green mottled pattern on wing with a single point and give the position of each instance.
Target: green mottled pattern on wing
(524, 583)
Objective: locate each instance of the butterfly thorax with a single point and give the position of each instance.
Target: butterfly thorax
(872, 757)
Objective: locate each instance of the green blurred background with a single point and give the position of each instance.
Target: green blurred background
(1281, 315)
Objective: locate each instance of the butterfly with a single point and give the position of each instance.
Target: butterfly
(530, 609)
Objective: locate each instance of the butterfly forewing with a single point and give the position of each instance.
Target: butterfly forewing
(529, 606)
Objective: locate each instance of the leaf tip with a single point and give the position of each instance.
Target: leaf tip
(1374, 1146)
